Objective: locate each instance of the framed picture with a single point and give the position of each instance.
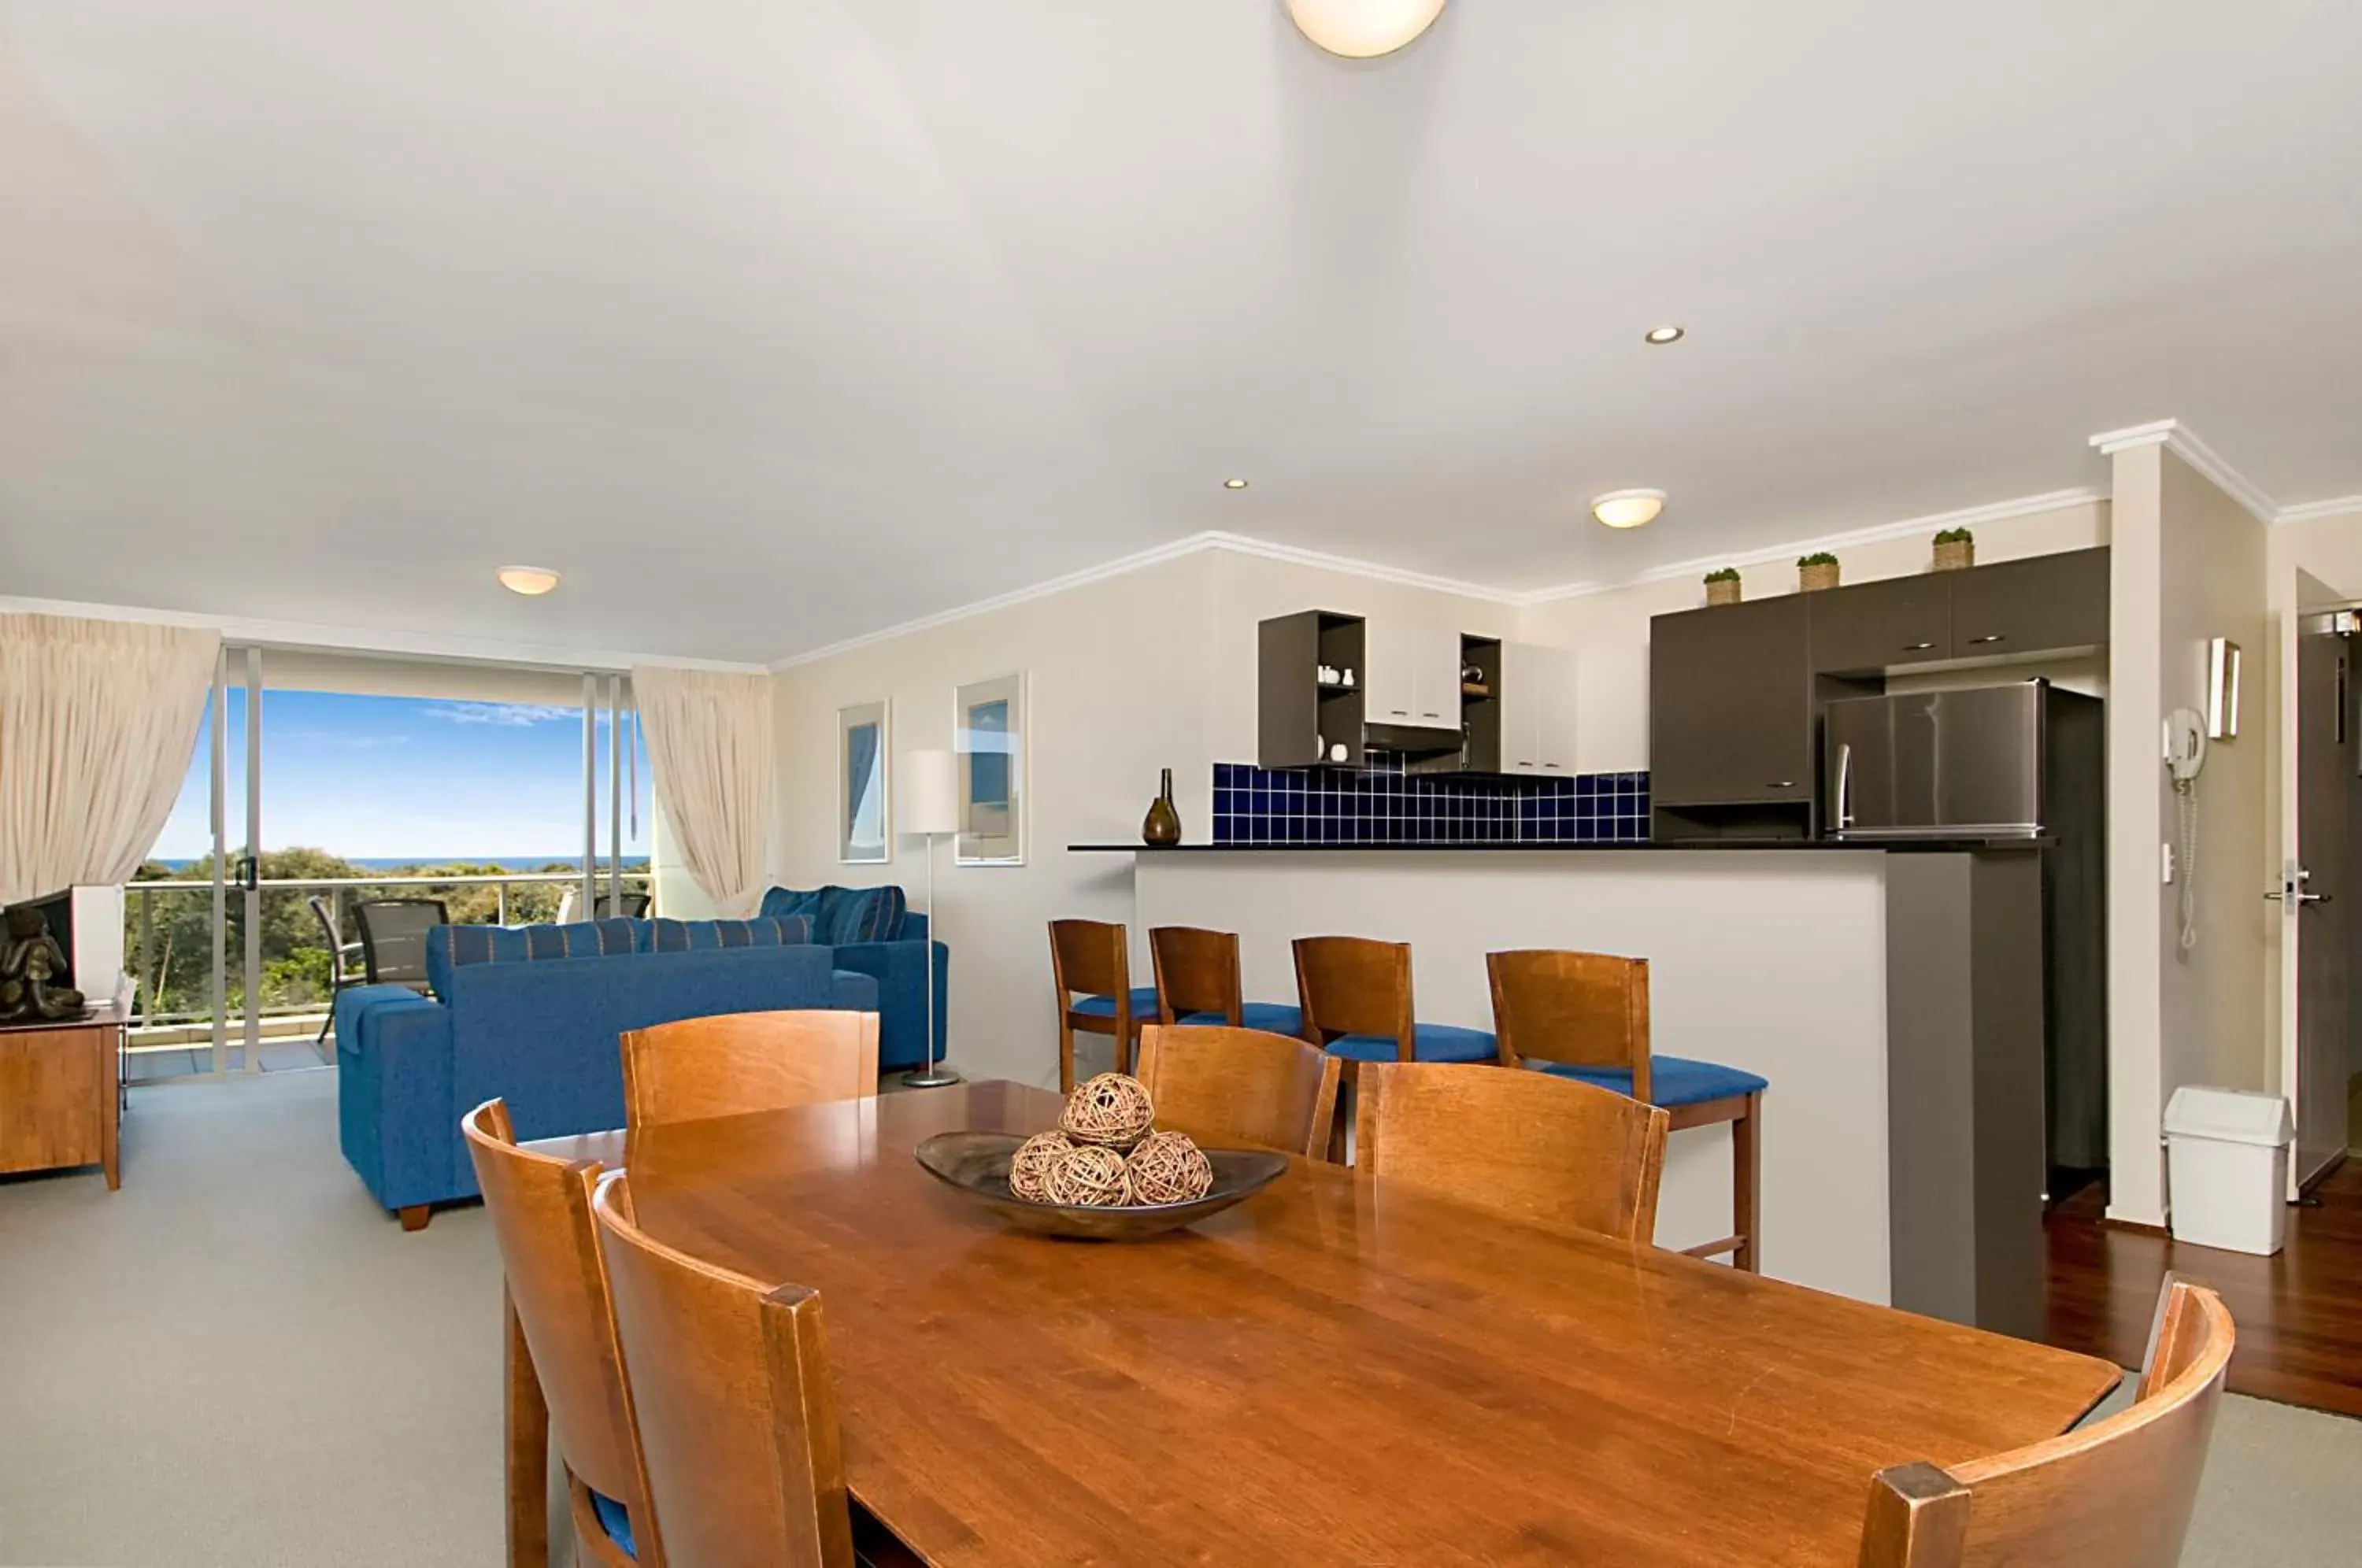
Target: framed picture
(988, 737)
(863, 806)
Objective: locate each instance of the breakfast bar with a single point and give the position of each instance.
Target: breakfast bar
(1892, 997)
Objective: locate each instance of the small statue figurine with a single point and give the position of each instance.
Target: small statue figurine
(30, 962)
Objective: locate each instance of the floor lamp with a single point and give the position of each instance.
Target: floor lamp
(929, 801)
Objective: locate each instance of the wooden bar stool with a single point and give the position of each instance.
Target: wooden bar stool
(1092, 958)
(1355, 996)
(1585, 1016)
(1197, 983)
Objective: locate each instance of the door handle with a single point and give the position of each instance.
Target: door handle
(1995, 637)
(1780, 784)
(1842, 808)
(1916, 648)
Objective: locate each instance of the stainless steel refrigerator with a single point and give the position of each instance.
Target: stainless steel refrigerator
(2014, 762)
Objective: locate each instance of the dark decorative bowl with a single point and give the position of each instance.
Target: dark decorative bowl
(977, 1163)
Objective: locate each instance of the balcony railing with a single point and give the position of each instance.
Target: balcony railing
(173, 954)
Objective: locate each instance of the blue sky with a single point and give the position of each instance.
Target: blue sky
(368, 777)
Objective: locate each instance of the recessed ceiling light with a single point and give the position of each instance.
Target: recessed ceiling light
(1362, 30)
(1660, 336)
(1234, 484)
(530, 581)
(1627, 508)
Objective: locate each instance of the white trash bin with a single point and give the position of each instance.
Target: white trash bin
(2227, 1158)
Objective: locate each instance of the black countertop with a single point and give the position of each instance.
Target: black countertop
(1692, 845)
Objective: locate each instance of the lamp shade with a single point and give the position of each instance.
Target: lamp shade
(1362, 30)
(928, 792)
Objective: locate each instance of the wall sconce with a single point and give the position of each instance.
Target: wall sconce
(2222, 689)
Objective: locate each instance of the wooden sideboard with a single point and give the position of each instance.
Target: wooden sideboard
(60, 1093)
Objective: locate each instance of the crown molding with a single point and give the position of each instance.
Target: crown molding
(244, 630)
(1241, 544)
(1964, 518)
(2312, 511)
(2183, 443)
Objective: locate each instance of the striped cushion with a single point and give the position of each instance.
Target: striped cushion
(711, 935)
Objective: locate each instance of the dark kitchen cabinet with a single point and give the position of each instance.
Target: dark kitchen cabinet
(1731, 705)
(2038, 605)
(1902, 620)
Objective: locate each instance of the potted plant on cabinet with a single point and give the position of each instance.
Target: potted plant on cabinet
(1956, 550)
(1722, 586)
(1816, 572)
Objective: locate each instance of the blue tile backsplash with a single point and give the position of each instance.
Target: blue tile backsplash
(1384, 805)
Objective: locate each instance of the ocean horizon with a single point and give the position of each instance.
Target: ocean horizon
(435, 862)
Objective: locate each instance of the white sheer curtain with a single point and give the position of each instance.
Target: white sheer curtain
(709, 739)
(97, 719)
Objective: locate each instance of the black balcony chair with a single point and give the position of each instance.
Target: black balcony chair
(635, 907)
(345, 963)
(393, 939)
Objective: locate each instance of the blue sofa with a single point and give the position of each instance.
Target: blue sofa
(532, 1014)
(874, 934)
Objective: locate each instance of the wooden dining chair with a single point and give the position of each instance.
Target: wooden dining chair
(1520, 1145)
(1242, 1086)
(1091, 959)
(561, 1334)
(1355, 996)
(1585, 1016)
(1197, 982)
(737, 1405)
(741, 1062)
(2116, 1493)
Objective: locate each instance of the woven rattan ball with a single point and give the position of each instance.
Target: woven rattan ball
(1088, 1176)
(1168, 1168)
(1111, 1109)
(1029, 1168)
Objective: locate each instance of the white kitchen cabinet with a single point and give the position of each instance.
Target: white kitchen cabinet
(1411, 675)
(1537, 710)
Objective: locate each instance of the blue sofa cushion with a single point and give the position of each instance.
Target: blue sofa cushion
(713, 935)
(1672, 1080)
(616, 1520)
(1143, 1005)
(842, 916)
(450, 947)
(1429, 1042)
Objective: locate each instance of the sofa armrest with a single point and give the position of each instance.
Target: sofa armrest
(395, 1114)
(851, 991)
(900, 969)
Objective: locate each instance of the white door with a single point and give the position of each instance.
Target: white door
(1557, 695)
(1522, 676)
(1390, 657)
(1435, 678)
(2313, 892)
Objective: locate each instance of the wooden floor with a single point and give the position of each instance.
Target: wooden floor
(2299, 1313)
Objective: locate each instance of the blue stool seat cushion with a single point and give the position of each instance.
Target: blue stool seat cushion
(1429, 1042)
(616, 1520)
(1143, 1005)
(1672, 1080)
(1271, 1017)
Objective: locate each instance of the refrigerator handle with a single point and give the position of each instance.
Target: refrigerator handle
(1841, 789)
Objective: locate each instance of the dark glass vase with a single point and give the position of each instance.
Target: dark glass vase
(1164, 824)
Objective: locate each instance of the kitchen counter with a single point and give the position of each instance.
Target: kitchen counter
(1681, 846)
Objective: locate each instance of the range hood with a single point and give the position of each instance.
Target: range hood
(1424, 748)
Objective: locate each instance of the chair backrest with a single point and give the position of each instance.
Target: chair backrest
(1244, 1086)
(2116, 1494)
(737, 1404)
(741, 1062)
(1197, 971)
(1353, 984)
(1089, 956)
(1590, 1009)
(1524, 1144)
(540, 1209)
(329, 937)
(635, 906)
(393, 938)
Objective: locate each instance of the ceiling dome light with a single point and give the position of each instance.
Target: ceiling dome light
(1660, 336)
(1234, 484)
(532, 582)
(1627, 508)
(1362, 30)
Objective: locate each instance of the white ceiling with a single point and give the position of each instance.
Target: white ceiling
(773, 322)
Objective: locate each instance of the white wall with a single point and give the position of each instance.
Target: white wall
(1609, 630)
(1149, 669)
(2189, 563)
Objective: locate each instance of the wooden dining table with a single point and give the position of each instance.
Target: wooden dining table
(1335, 1371)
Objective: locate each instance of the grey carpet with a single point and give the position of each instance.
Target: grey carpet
(240, 1359)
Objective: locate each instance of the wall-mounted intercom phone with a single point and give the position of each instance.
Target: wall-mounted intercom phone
(2185, 757)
